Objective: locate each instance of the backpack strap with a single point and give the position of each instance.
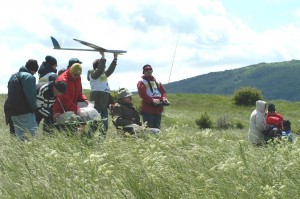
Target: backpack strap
(7, 103)
(151, 88)
(149, 84)
(157, 85)
(18, 79)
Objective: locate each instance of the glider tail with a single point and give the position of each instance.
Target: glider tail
(55, 43)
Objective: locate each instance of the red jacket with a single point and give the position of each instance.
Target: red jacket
(147, 100)
(275, 120)
(72, 95)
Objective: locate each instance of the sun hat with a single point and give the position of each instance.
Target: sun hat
(76, 69)
(124, 92)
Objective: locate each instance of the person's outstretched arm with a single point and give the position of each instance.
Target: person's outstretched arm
(112, 66)
(100, 68)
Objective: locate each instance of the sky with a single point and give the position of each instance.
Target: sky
(179, 39)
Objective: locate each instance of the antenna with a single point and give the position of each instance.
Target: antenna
(173, 57)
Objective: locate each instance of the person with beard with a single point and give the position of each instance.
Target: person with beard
(125, 116)
(47, 71)
(153, 96)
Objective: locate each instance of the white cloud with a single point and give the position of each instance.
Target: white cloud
(209, 37)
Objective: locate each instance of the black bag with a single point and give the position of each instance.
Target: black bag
(271, 132)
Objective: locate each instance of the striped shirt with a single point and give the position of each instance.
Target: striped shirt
(45, 98)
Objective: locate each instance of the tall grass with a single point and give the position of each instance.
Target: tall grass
(181, 162)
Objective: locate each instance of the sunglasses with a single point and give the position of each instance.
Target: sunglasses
(148, 69)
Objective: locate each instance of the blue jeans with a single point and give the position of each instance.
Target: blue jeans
(153, 120)
(25, 123)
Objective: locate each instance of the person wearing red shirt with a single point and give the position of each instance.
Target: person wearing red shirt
(274, 118)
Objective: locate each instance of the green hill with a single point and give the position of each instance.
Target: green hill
(275, 80)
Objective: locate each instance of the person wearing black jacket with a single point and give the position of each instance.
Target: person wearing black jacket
(21, 99)
(125, 116)
(8, 120)
(48, 72)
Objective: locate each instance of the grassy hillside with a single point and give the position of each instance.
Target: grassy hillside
(276, 80)
(182, 162)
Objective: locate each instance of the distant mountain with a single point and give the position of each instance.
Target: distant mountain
(278, 80)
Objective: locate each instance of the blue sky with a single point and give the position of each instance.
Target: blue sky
(262, 15)
(213, 35)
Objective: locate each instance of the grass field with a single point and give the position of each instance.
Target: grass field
(182, 162)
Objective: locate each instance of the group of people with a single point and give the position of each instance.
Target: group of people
(153, 96)
(266, 124)
(55, 93)
(28, 103)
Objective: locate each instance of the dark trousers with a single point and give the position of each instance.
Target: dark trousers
(104, 114)
(8, 117)
(11, 127)
(47, 124)
(153, 120)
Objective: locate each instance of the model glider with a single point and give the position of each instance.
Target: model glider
(56, 46)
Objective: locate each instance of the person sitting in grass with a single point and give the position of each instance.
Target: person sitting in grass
(287, 131)
(273, 124)
(274, 118)
(258, 123)
(125, 116)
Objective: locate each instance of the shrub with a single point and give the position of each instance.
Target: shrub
(138, 108)
(114, 95)
(239, 125)
(224, 123)
(247, 96)
(204, 122)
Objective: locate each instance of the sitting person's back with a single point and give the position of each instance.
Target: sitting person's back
(257, 123)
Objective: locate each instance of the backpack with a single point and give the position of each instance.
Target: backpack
(6, 103)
